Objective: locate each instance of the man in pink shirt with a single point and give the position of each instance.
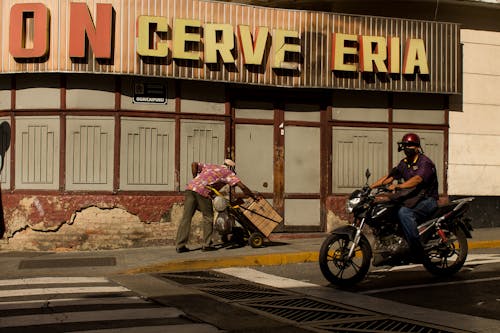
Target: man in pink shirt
(197, 197)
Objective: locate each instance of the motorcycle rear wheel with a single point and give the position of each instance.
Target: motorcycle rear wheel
(335, 264)
(448, 258)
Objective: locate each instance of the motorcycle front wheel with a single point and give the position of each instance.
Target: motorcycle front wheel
(335, 263)
(448, 257)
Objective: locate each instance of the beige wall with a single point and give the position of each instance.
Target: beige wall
(474, 161)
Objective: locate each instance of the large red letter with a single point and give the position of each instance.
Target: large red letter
(18, 34)
(100, 35)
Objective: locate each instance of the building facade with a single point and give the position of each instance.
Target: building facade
(104, 105)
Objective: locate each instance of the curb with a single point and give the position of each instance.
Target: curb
(253, 260)
(490, 244)
(256, 260)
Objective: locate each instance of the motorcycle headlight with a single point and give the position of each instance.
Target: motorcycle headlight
(352, 203)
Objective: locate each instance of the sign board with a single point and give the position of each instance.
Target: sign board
(148, 92)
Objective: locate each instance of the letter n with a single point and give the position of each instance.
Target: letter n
(100, 36)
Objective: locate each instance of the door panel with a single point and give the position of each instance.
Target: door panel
(302, 175)
(302, 212)
(254, 156)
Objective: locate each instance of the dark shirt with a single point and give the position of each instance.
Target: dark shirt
(423, 167)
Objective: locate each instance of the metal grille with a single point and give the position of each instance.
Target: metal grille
(306, 312)
(380, 325)
(305, 309)
(202, 277)
(241, 292)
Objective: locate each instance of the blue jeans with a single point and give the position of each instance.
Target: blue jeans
(409, 218)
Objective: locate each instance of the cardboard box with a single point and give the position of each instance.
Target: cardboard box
(262, 215)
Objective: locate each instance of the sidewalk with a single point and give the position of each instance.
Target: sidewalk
(135, 264)
(280, 250)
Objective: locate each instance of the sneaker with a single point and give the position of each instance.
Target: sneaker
(182, 249)
(208, 248)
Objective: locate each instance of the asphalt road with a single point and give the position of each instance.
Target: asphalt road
(473, 291)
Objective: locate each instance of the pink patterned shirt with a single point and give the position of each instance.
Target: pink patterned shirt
(213, 175)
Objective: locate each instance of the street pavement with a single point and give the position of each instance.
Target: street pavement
(129, 268)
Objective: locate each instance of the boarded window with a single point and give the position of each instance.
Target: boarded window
(201, 141)
(89, 153)
(355, 150)
(37, 152)
(147, 154)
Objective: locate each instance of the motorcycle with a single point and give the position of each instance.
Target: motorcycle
(346, 254)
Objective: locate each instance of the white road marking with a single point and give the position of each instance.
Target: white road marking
(67, 290)
(472, 259)
(137, 308)
(287, 283)
(36, 304)
(90, 316)
(427, 285)
(186, 328)
(264, 278)
(52, 280)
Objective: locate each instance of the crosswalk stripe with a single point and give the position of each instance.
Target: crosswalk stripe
(86, 305)
(52, 280)
(67, 290)
(35, 304)
(186, 328)
(90, 316)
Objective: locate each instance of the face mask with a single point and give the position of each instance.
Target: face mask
(410, 152)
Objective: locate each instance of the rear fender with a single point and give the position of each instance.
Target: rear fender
(466, 227)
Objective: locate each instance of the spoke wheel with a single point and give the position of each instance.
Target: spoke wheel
(446, 259)
(335, 264)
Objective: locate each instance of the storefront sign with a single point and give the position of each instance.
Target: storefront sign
(147, 92)
(268, 51)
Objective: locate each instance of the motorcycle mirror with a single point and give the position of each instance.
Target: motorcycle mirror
(367, 174)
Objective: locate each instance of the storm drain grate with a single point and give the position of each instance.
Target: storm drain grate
(307, 312)
(241, 291)
(195, 278)
(381, 325)
(305, 309)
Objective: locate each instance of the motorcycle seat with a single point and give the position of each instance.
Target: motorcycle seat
(443, 209)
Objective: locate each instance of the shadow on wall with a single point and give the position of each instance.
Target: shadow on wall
(5, 135)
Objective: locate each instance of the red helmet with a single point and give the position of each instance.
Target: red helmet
(409, 140)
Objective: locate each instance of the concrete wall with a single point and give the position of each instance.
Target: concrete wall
(474, 161)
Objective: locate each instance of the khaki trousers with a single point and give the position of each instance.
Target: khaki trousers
(192, 202)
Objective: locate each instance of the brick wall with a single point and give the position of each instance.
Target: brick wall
(91, 222)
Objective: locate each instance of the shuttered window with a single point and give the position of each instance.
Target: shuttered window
(89, 153)
(201, 141)
(147, 154)
(353, 151)
(37, 152)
